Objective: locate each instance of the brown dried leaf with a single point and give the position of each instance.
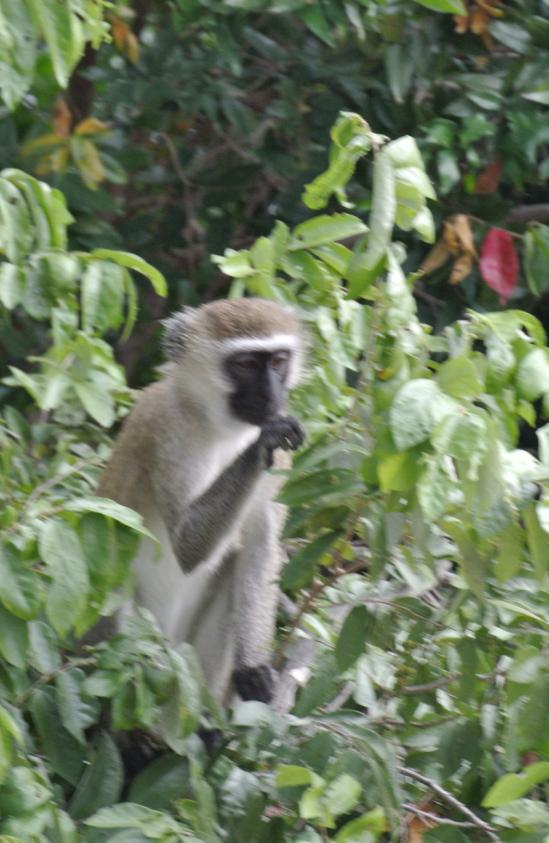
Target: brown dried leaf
(479, 21)
(436, 258)
(462, 24)
(62, 118)
(488, 180)
(461, 268)
(120, 31)
(457, 234)
(132, 47)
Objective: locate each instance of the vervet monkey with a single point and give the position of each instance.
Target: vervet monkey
(192, 458)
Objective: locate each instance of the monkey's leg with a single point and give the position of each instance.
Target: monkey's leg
(256, 592)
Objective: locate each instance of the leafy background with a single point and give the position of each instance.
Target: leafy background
(137, 141)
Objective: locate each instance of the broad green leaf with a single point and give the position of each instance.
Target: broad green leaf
(533, 374)
(366, 266)
(509, 559)
(12, 280)
(290, 775)
(130, 261)
(303, 564)
(537, 541)
(416, 410)
(398, 472)
(235, 264)
(363, 829)
(110, 509)
(63, 33)
(23, 792)
(47, 207)
(459, 378)
(75, 712)
(21, 589)
(352, 638)
(16, 229)
(13, 638)
(44, 654)
(453, 7)
(514, 785)
(342, 794)
(68, 593)
(65, 755)
(464, 437)
(327, 228)
(102, 296)
(96, 401)
(18, 49)
(126, 815)
(102, 781)
(161, 783)
(536, 258)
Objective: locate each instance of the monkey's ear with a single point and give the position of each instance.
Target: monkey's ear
(176, 330)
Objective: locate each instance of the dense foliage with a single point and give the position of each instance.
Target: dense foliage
(413, 637)
(422, 686)
(201, 121)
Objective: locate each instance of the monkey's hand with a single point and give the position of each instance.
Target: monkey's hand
(255, 683)
(281, 432)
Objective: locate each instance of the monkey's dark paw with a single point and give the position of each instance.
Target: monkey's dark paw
(282, 432)
(255, 683)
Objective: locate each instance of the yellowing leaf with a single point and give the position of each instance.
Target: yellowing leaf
(90, 126)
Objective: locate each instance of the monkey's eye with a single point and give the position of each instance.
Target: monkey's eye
(246, 362)
(279, 359)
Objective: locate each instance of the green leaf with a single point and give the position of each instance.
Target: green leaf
(130, 261)
(398, 472)
(65, 755)
(21, 589)
(353, 635)
(110, 509)
(303, 564)
(97, 402)
(63, 33)
(101, 784)
(76, 714)
(16, 229)
(459, 378)
(18, 49)
(464, 437)
(365, 267)
(12, 285)
(342, 794)
(453, 7)
(67, 596)
(327, 228)
(510, 554)
(290, 775)
(13, 638)
(533, 374)
(161, 782)
(44, 654)
(102, 296)
(363, 829)
(127, 815)
(46, 205)
(514, 785)
(536, 538)
(416, 409)
(536, 258)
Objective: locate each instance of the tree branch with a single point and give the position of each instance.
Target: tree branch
(451, 800)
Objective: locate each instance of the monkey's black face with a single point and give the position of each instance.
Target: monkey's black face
(259, 384)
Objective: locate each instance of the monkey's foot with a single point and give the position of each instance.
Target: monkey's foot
(255, 683)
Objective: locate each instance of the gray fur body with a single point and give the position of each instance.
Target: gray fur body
(198, 477)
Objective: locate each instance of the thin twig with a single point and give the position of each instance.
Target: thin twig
(451, 800)
(47, 677)
(425, 815)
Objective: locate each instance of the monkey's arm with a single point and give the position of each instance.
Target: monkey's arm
(206, 520)
(256, 595)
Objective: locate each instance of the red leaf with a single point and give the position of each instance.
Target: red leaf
(499, 263)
